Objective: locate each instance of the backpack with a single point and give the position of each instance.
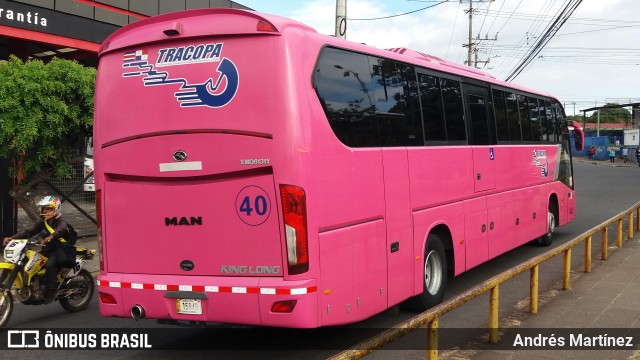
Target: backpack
(72, 235)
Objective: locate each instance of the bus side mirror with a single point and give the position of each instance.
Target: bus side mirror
(578, 135)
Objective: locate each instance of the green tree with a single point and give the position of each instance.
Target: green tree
(46, 114)
(577, 118)
(611, 115)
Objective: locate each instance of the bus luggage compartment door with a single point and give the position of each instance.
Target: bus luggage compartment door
(217, 226)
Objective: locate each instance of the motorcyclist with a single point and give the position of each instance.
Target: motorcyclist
(56, 227)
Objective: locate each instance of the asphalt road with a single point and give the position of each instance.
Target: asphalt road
(603, 191)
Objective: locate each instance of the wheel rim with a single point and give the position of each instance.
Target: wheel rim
(433, 272)
(4, 306)
(552, 224)
(79, 293)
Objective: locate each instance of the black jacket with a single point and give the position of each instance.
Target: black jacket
(58, 224)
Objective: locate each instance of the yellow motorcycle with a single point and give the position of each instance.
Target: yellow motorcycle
(23, 272)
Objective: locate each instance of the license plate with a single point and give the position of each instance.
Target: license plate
(189, 306)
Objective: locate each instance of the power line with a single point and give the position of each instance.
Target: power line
(483, 20)
(597, 30)
(532, 30)
(452, 30)
(548, 35)
(407, 13)
(576, 21)
(491, 27)
(509, 17)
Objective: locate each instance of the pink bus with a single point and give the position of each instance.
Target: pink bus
(250, 170)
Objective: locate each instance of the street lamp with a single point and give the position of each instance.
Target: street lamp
(363, 86)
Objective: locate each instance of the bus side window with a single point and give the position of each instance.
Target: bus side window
(513, 116)
(453, 110)
(534, 117)
(549, 133)
(432, 111)
(500, 109)
(543, 120)
(390, 102)
(559, 121)
(411, 100)
(525, 122)
(345, 87)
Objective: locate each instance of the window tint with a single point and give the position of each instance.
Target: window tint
(411, 101)
(500, 109)
(345, 87)
(549, 133)
(372, 102)
(534, 117)
(397, 103)
(453, 110)
(558, 113)
(479, 120)
(525, 123)
(432, 112)
(390, 106)
(513, 115)
(369, 101)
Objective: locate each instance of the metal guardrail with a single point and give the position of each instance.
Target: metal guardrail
(492, 285)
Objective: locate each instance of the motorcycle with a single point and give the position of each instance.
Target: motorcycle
(23, 272)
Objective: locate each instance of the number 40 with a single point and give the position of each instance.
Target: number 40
(259, 205)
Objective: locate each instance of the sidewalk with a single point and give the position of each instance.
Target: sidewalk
(93, 265)
(617, 163)
(604, 302)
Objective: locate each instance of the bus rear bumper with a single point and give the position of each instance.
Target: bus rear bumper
(237, 300)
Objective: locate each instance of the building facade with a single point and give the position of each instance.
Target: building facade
(74, 29)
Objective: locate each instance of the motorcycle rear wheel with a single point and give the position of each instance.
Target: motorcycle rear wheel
(6, 307)
(81, 288)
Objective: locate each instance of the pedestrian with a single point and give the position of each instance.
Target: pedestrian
(592, 152)
(625, 154)
(612, 154)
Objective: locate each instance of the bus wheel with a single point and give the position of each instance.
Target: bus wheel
(547, 239)
(434, 276)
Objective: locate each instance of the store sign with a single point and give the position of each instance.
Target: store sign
(20, 17)
(23, 16)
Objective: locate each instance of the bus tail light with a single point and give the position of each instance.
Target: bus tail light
(294, 210)
(107, 298)
(284, 306)
(266, 27)
(99, 226)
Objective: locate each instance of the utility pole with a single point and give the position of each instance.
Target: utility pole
(341, 19)
(471, 46)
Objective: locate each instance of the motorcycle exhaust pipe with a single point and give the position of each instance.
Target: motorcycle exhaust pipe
(137, 312)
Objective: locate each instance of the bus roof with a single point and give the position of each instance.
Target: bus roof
(245, 22)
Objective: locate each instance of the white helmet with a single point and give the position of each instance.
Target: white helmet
(49, 207)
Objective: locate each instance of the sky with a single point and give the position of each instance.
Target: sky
(592, 60)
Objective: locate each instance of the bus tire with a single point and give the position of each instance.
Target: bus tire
(434, 275)
(547, 239)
